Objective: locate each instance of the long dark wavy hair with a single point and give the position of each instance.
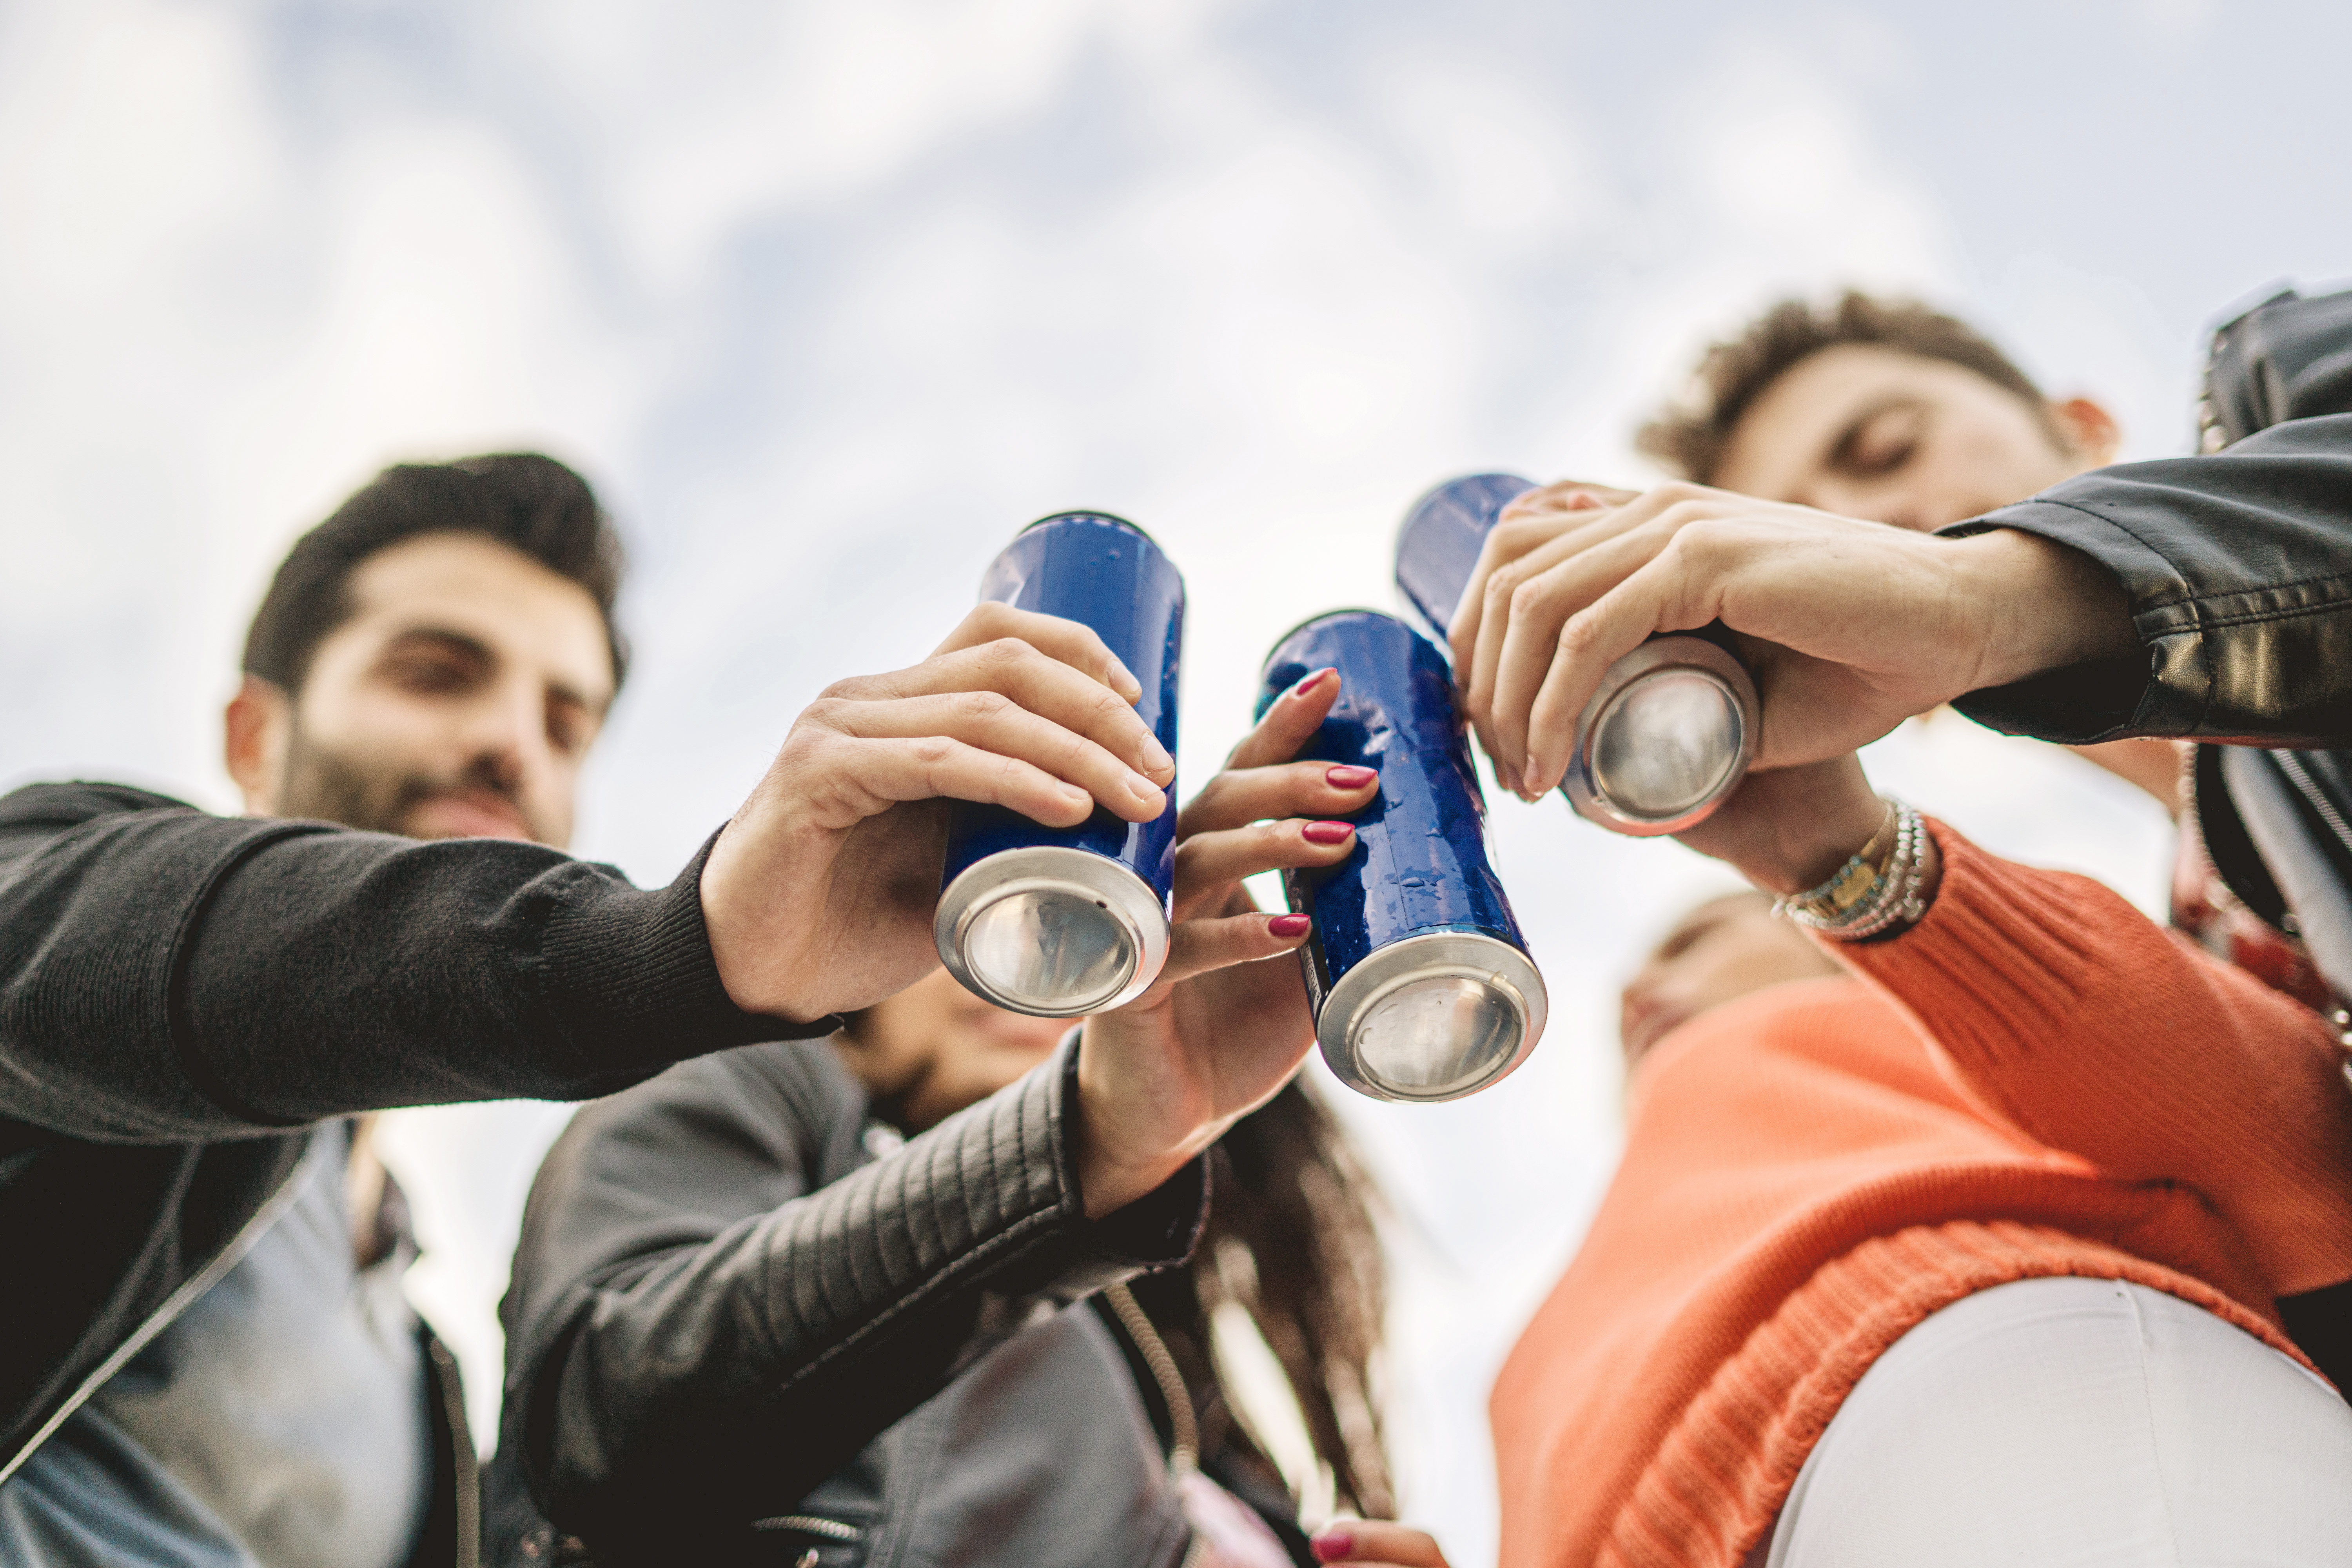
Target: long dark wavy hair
(1291, 1240)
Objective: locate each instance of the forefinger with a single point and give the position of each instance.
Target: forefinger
(1074, 643)
(1531, 521)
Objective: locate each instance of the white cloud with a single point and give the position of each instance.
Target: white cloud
(831, 298)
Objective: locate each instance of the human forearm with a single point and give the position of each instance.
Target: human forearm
(174, 976)
(2232, 572)
(2070, 1015)
(726, 1376)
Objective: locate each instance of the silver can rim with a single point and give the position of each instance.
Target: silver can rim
(1463, 955)
(1663, 653)
(1112, 885)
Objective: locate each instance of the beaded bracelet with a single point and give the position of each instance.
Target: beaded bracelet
(1841, 911)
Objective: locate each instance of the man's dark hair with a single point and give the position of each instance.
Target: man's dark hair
(1689, 437)
(530, 503)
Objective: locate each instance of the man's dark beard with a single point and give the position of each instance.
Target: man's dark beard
(327, 787)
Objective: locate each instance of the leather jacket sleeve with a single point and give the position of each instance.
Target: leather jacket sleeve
(2237, 563)
(702, 1328)
(170, 976)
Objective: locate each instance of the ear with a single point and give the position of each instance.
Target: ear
(2090, 429)
(256, 728)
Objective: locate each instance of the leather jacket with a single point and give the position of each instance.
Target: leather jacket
(735, 1334)
(2237, 565)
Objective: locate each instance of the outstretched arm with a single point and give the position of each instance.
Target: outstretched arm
(166, 975)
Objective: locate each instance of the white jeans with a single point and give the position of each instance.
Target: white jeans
(2072, 1423)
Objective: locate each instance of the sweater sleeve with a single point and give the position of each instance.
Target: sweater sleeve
(167, 975)
(2069, 1016)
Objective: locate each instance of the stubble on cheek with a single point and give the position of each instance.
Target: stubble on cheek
(327, 786)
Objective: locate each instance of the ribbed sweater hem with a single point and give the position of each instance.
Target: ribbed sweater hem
(1718, 1482)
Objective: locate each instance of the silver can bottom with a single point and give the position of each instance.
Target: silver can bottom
(1051, 931)
(1666, 737)
(1432, 1018)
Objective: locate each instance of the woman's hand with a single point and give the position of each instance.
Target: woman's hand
(1366, 1543)
(1161, 1079)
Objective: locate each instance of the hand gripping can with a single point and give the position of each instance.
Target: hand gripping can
(1061, 921)
(1670, 731)
(1421, 986)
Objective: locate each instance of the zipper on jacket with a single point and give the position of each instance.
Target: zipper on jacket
(809, 1524)
(2308, 788)
(1183, 1425)
(177, 1303)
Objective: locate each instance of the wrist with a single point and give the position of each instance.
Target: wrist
(1814, 844)
(2047, 607)
(1116, 1161)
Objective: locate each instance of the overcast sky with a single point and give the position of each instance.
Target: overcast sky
(828, 299)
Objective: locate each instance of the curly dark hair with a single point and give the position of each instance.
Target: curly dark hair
(1689, 438)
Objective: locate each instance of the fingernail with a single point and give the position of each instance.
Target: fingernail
(1122, 679)
(1288, 926)
(1310, 682)
(1143, 789)
(1334, 1544)
(1155, 755)
(1349, 778)
(1534, 770)
(1326, 832)
(1077, 796)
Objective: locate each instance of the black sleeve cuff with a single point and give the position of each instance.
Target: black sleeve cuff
(630, 972)
(1158, 1230)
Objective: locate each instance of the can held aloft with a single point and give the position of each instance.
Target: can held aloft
(1421, 985)
(1059, 923)
(1672, 728)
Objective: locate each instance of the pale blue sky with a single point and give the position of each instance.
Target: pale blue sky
(829, 297)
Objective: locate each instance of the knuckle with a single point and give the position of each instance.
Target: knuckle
(982, 706)
(1577, 634)
(1005, 653)
(1527, 597)
(932, 750)
(1677, 492)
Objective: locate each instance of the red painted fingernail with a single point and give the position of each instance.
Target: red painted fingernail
(1349, 778)
(1327, 831)
(1286, 925)
(1334, 1544)
(1310, 682)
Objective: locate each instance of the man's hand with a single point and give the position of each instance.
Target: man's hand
(1849, 627)
(819, 894)
(1162, 1077)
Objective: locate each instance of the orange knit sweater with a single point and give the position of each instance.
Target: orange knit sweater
(2034, 1081)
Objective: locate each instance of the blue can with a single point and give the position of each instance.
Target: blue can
(1421, 985)
(1670, 731)
(1059, 923)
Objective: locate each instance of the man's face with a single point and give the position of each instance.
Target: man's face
(457, 700)
(1876, 433)
(1718, 952)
